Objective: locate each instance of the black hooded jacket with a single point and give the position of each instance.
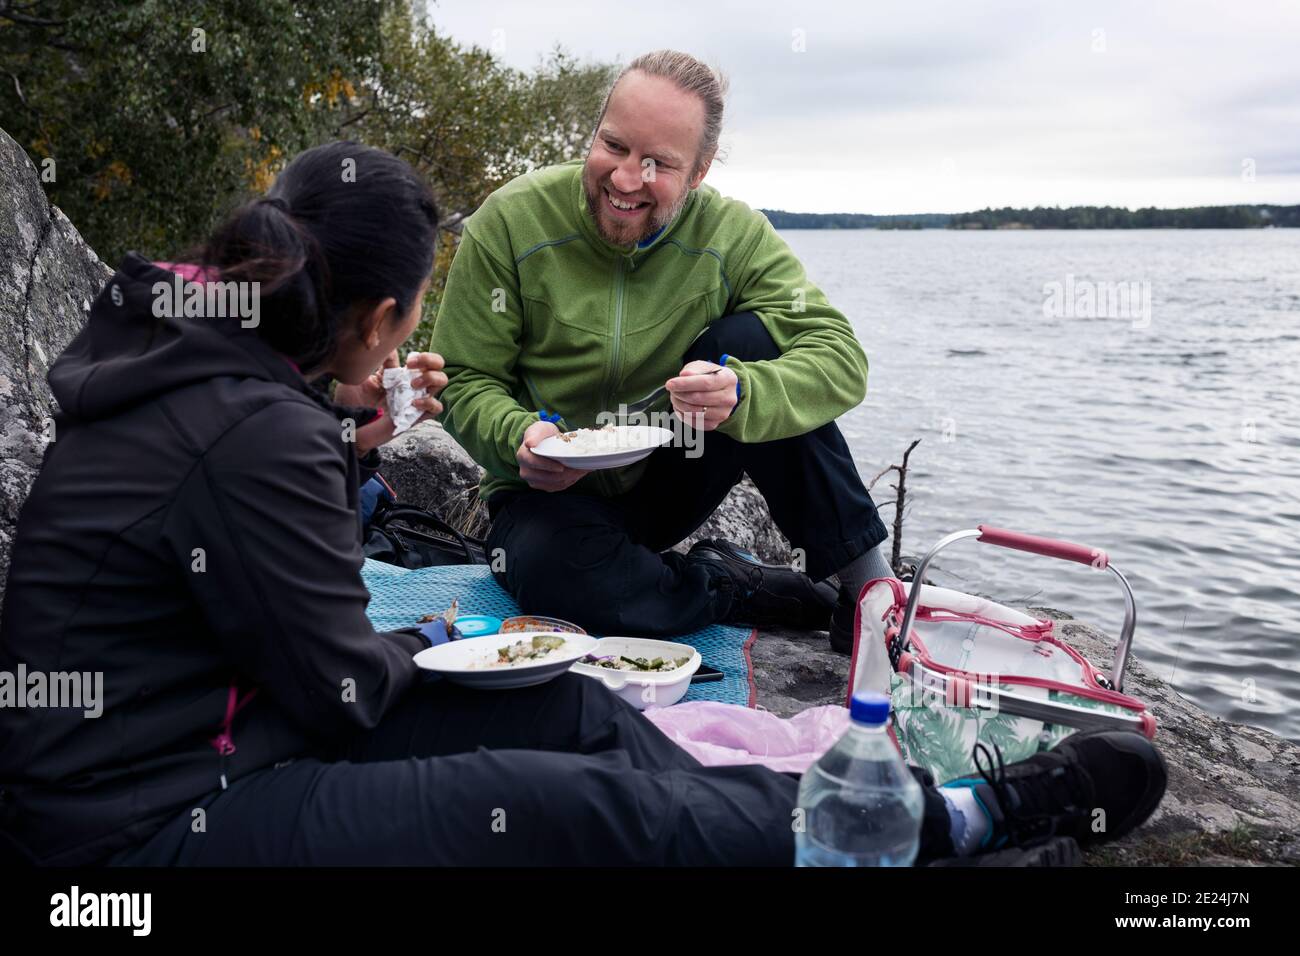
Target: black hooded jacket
(193, 530)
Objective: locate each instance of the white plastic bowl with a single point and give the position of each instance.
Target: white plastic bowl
(461, 661)
(643, 690)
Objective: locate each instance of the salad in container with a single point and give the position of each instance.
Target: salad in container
(644, 672)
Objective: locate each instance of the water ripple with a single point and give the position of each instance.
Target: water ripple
(1172, 445)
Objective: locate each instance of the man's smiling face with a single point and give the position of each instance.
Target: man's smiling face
(642, 162)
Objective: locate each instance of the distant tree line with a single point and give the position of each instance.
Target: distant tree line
(1116, 217)
(1053, 217)
(850, 220)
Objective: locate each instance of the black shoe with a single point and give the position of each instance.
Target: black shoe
(764, 593)
(1094, 786)
(846, 607)
(1055, 851)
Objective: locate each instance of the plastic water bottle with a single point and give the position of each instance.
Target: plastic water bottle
(859, 804)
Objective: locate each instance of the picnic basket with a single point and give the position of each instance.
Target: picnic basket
(961, 669)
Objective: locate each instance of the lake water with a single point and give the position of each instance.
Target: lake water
(1162, 426)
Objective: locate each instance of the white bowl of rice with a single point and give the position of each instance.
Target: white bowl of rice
(646, 673)
(610, 447)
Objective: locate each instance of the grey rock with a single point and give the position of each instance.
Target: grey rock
(795, 670)
(743, 519)
(428, 469)
(48, 278)
(1222, 775)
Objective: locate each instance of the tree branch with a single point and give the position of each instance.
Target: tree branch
(214, 111)
(900, 501)
(356, 119)
(18, 88)
(9, 12)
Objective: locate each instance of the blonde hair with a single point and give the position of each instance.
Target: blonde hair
(691, 76)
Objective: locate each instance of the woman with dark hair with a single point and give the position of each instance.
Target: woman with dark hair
(193, 537)
(192, 548)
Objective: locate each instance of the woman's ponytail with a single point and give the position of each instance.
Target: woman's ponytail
(344, 225)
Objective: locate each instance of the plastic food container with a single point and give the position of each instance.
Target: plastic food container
(478, 625)
(643, 689)
(469, 625)
(534, 623)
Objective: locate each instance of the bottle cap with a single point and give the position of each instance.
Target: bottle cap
(870, 709)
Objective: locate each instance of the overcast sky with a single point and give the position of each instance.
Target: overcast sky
(946, 106)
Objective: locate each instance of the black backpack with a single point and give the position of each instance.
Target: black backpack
(411, 537)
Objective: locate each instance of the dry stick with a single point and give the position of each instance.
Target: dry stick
(895, 559)
(467, 514)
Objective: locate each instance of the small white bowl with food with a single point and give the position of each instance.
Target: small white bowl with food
(645, 673)
(501, 661)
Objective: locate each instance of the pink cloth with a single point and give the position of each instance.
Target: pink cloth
(725, 734)
(187, 271)
(191, 272)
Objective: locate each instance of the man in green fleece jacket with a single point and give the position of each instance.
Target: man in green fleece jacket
(582, 288)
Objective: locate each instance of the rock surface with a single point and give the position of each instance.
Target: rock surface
(1234, 791)
(428, 469)
(48, 278)
(1225, 779)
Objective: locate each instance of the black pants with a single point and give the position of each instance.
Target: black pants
(596, 561)
(561, 774)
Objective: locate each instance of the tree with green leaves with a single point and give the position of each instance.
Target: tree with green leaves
(159, 119)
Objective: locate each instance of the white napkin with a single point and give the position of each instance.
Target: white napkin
(397, 382)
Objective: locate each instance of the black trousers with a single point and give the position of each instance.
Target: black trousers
(597, 561)
(562, 774)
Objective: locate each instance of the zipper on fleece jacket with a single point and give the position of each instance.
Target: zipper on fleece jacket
(618, 332)
(612, 375)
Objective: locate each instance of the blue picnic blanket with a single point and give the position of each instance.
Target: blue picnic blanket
(400, 597)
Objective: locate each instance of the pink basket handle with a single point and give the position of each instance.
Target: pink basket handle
(1050, 547)
(1082, 554)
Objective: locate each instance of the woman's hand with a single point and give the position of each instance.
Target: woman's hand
(372, 394)
(431, 378)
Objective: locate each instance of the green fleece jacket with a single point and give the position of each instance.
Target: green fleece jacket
(539, 312)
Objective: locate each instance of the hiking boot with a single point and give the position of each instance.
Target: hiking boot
(846, 606)
(1094, 786)
(1054, 851)
(765, 594)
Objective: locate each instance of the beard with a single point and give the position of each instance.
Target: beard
(628, 234)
